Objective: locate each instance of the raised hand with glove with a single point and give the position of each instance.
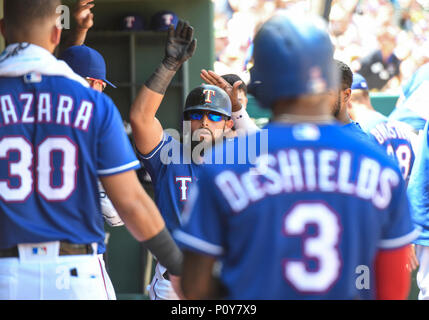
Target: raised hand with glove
(147, 130)
(180, 47)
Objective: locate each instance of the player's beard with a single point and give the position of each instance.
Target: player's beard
(207, 143)
(203, 148)
(337, 107)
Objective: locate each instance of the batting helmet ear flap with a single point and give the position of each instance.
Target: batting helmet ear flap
(210, 98)
(292, 56)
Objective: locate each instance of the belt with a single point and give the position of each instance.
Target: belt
(66, 249)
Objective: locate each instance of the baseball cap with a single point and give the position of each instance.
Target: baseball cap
(359, 82)
(86, 62)
(162, 19)
(132, 22)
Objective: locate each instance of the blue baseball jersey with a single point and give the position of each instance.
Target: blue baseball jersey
(369, 119)
(301, 220)
(396, 139)
(409, 117)
(172, 172)
(56, 138)
(418, 188)
(355, 129)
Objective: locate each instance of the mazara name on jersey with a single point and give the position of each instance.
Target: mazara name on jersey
(324, 170)
(46, 112)
(384, 131)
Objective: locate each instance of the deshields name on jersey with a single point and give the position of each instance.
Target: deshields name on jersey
(301, 170)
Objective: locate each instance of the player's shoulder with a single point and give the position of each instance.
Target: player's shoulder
(361, 144)
(170, 142)
(403, 126)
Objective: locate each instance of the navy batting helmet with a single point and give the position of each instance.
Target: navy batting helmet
(208, 97)
(292, 56)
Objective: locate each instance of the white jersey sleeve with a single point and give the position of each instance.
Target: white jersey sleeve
(108, 210)
(242, 122)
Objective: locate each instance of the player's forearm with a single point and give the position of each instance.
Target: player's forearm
(145, 223)
(136, 209)
(77, 37)
(147, 130)
(147, 226)
(142, 220)
(197, 282)
(198, 291)
(145, 106)
(150, 96)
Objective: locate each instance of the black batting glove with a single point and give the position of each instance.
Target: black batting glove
(180, 45)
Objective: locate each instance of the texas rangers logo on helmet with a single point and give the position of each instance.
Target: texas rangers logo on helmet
(168, 18)
(130, 21)
(209, 93)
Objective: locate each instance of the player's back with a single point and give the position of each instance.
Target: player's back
(56, 138)
(399, 142)
(306, 221)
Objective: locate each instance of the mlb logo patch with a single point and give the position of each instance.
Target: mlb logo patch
(39, 251)
(33, 77)
(306, 132)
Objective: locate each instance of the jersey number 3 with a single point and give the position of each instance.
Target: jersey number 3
(321, 247)
(22, 169)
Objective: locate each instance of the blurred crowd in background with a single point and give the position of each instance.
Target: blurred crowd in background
(384, 40)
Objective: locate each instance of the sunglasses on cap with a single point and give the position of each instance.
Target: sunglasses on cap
(199, 114)
(94, 81)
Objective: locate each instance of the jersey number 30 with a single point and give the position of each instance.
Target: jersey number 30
(321, 248)
(23, 168)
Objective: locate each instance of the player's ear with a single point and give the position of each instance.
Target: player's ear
(56, 35)
(347, 95)
(229, 124)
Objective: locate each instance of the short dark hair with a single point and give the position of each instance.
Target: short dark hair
(19, 15)
(231, 78)
(346, 74)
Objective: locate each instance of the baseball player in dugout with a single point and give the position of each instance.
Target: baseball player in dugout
(56, 138)
(313, 213)
(173, 162)
(395, 137)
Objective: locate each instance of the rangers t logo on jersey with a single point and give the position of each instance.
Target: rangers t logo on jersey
(208, 95)
(184, 186)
